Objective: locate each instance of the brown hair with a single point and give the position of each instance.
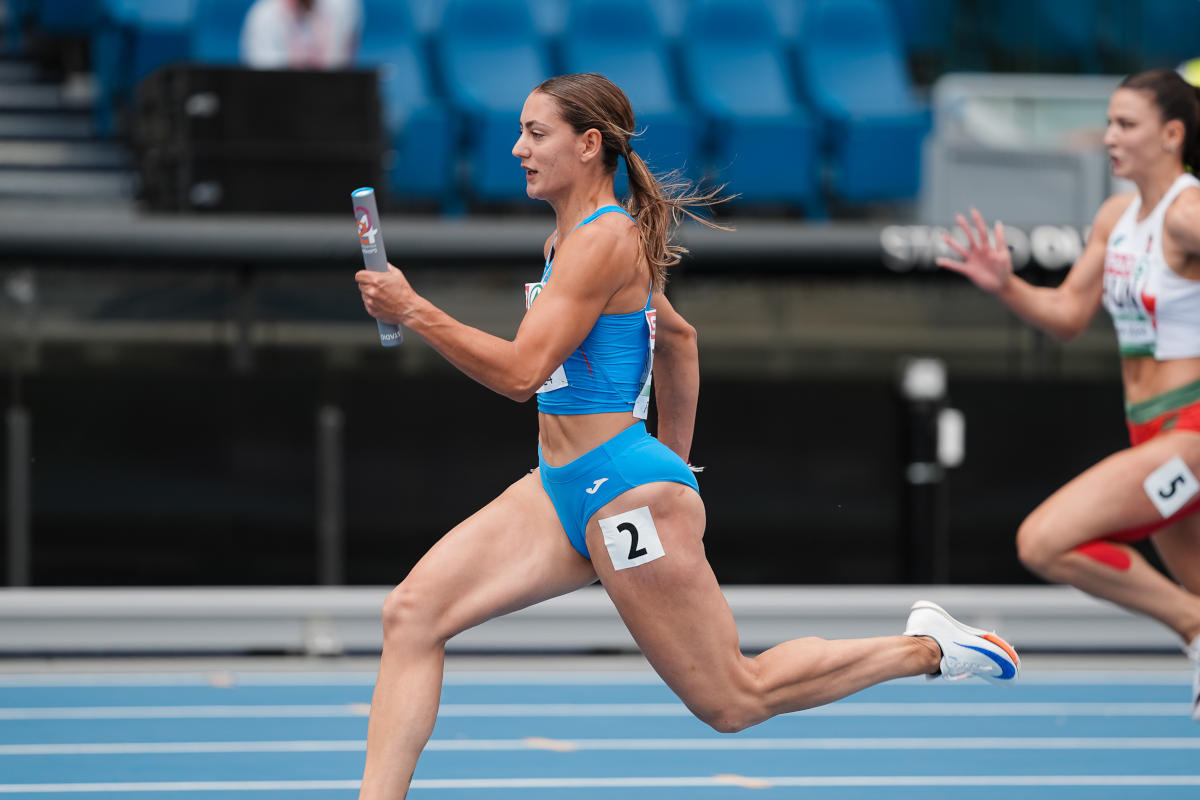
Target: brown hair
(588, 100)
(1176, 99)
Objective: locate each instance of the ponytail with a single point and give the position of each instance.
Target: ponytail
(657, 202)
(587, 101)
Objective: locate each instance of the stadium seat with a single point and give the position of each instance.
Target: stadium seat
(131, 39)
(926, 29)
(217, 30)
(491, 57)
(670, 16)
(764, 142)
(621, 40)
(1169, 33)
(66, 17)
(852, 69)
(419, 130)
(924, 24)
(21, 14)
(1039, 36)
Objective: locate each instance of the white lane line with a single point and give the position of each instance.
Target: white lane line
(488, 710)
(846, 743)
(152, 748)
(176, 786)
(813, 781)
(1089, 678)
(575, 745)
(186, 712)
(101, 680)
(621, 783)
(843, 709)
(1098, 678)
(1068, 709)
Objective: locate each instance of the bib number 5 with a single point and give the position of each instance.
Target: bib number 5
(631, 538)
(1171, 486)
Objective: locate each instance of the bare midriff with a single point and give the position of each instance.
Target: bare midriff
(1146, 378)
(565, 438)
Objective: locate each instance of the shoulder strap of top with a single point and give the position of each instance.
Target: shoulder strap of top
(608, 210)
(550, 255)
(1179, 184)
(1182, 182)
(601, 212)
(1129, 216)
(589, 218)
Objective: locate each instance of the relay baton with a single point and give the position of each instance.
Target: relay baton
(366, 213)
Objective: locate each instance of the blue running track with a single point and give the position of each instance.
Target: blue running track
(545, 734)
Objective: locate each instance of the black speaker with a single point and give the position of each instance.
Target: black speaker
(217, 177)
(240, 140)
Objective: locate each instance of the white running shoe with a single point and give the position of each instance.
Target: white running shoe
(966, 651)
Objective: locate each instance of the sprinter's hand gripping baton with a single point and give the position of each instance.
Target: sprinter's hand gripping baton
(366, 213)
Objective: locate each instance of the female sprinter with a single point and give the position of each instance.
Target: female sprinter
(1142, 261)
(608, 501)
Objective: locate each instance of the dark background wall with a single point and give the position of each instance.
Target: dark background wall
(197, 476)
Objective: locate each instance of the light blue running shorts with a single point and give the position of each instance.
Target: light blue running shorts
(631, 458)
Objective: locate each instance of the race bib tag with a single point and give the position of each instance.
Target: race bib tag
(631, 538)
(532, 290)
(1126, 300)
(641, 406)
(1171, 486)
(558, 378)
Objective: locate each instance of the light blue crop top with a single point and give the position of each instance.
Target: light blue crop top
(611, 368)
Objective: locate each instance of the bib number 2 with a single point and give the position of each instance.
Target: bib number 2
(631, 538)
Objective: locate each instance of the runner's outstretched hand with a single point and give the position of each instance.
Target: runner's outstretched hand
(988, 265)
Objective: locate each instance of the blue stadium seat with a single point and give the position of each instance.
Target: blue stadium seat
(670, 15)
(21, 15)
(420, 131)
(131, 40)
(927, 30)
(853, 71)
(764, 142)
(65, 17)
(925, 25)
(217, 31)
(1169, 33)
(1041, 36)
(491, 57)
(549, 17)
(621, 40)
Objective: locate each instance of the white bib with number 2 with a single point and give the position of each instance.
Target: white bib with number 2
(1170, 486)
(631, 538)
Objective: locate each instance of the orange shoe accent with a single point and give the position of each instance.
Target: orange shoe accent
(1003, 645)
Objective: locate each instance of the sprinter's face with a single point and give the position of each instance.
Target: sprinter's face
(1136, 138)
(548, 148)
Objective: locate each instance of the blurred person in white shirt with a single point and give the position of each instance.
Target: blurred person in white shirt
(301, 34)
